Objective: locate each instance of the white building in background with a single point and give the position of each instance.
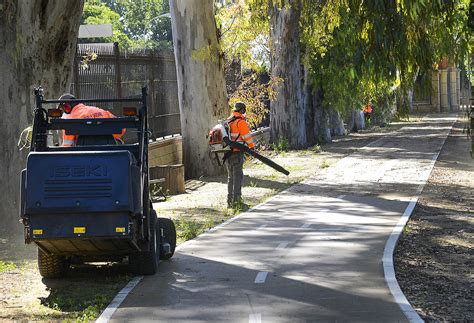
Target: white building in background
(451, 90)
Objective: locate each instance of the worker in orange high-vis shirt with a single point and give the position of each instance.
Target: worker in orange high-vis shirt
(239, 132)
(81, 111)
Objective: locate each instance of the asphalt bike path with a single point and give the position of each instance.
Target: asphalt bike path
(312, 253)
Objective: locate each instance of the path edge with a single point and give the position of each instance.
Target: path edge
(389, 269)
(387, 260)
(118, 299)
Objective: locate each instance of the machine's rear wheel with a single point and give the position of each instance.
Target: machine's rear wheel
(51, 266)
(146, 262)
(168, 238)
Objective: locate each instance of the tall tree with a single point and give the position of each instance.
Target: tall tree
(96, 13)
(353, 52)
(136, 24)
(287, 113)
(201, 83)
(359, 51)
(37, 47)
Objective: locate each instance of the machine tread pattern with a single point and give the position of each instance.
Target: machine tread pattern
(145, 262)
(169, 236)
(51, 266)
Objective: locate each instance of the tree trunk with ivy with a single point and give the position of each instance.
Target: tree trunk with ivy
(37, 47)
(201, 81)
(287, 111)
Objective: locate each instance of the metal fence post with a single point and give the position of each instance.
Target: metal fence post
(154, 110)
(118, 74)
(75, 75)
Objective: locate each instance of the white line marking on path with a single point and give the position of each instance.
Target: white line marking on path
(263, 226)
(306, 225)
(341, 196)
(261, 276)
(110, 310)
(389, 271)
(255, 318)
(283, 245)
(238, 216)
(388, 268)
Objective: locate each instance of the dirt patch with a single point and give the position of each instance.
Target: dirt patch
(82, 295)
(434, 258)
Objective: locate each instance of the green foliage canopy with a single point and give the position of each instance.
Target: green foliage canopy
(136, 24)
(362, 49)
(358, 51)
(242, 36)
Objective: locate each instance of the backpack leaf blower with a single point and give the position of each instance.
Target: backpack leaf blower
(219, 140)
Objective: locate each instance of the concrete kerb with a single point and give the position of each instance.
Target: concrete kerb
(389, 271)
(118, 299)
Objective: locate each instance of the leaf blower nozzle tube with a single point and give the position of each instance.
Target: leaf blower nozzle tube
(254, 154)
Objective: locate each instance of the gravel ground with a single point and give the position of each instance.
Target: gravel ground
(434, 258)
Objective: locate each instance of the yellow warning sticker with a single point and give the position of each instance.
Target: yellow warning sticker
(79, 230)
(120, 229)
(38, 231)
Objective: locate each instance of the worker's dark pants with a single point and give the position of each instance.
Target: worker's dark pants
(235, 175)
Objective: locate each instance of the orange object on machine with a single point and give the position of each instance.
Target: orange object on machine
(81, 111)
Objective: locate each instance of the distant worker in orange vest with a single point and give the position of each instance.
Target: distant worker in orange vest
(239, 132)
(367, 112)
(81, 111)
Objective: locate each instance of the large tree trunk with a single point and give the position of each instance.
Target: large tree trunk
(287, 112)
(37, 46)
(201, 82)
(319, 125)
(311, 122)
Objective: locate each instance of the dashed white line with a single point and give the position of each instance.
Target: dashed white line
(283, 245)
(341, 196)
(255, 318)
(261, 276)
(306, 225)
(263, 226)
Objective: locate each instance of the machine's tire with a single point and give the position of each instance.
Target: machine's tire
(51, 266)
(146, 262)
(168, 236)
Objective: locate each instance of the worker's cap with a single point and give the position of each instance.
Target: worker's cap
(68, 96)
(239, 106)
(64, 106)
